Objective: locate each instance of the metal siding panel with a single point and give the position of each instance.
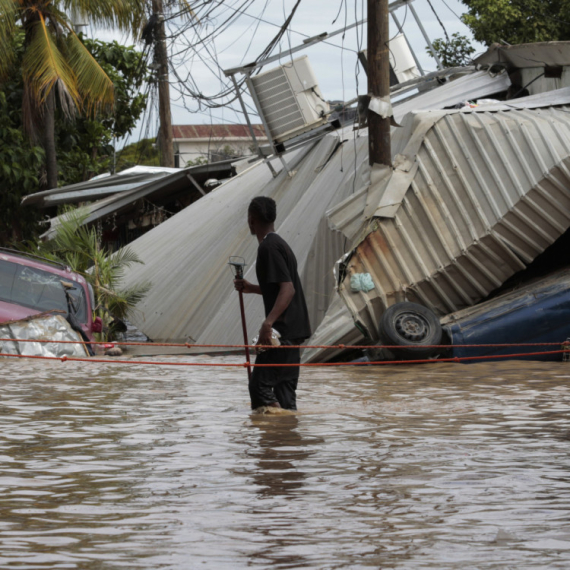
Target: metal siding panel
(192, 297)
(490, 194)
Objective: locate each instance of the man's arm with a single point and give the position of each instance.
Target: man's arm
(246, 287)
(284, 298)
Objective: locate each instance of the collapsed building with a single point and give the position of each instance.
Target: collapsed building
(478, 190)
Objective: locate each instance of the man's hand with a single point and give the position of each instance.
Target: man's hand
(265, 334)
(246, 287)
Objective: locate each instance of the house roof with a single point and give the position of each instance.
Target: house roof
(542, 54)
(189, 132)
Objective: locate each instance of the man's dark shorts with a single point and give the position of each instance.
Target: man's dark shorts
(269, 385)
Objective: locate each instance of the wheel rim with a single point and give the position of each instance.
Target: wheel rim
(412, 327)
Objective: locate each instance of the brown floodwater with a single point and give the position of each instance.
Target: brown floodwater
(443, 466)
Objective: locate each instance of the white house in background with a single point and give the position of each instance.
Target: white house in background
(213, 142)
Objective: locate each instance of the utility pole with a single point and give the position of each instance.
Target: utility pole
(161, 59)
(379, 80)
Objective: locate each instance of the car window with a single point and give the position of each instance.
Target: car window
(39, 290)
(78, 302)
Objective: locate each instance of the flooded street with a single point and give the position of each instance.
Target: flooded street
(444, 466)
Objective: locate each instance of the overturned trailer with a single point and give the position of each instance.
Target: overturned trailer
(475, 196)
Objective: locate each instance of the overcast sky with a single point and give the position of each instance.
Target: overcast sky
(246, 37)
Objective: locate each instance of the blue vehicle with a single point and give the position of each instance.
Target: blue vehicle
(538, 312)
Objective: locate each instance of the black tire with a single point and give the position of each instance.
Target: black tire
(412, 326)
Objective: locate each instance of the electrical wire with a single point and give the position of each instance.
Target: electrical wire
(439, 20)
(452, 11)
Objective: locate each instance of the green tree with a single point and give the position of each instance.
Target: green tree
(20, 166)
(141, 152)
(518, 21)
(84, 146)
(56, 61)
(79, 246)
(453, 53)
(86, 149)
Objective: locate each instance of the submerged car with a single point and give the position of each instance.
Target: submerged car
(538, 312)
(31, 285)
(531, 321)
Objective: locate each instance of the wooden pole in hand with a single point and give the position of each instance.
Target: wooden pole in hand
(239, 275)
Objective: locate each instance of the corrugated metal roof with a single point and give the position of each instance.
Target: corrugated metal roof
(485, 194)
(192, 297)
(131, 184)
(519, 56)
(337, 328)
(192, 132)
(478, 85)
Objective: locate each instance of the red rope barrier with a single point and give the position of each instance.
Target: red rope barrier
(305, 364)
(237, 346)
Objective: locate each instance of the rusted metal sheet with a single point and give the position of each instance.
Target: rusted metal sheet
(490, 192)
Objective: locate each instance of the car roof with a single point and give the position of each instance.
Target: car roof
(31, 260)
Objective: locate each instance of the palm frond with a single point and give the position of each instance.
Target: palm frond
(8, 15)
(126, 256)
(186, 9)
(44, 65)
(94, 85)
(126, 15)
(124, 301)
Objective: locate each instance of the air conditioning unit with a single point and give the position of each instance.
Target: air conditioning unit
(402, 60)
(289, 99)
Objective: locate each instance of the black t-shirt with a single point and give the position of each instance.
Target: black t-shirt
(276, 263)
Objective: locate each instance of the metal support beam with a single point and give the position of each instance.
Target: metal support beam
(246, 115)
(193, 180)
(426, 37)
(311, 41)
(306, 43)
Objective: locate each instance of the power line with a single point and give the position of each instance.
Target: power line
(439, 20)
(452, 11)
(293, 31)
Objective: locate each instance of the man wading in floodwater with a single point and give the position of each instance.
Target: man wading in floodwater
(285, 310)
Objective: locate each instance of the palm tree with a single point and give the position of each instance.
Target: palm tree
(79, 247)
(55, 61)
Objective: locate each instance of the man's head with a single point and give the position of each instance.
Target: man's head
(261, 214)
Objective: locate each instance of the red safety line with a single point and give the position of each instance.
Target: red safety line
(339, 346)
(305, 364)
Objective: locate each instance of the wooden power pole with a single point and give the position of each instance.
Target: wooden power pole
(379, 80)
(164, 113)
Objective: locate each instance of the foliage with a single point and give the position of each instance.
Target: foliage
(518, 21)
(142, 152)
(20, 164)
(85, 148)
(56, 62)
(80, 247)
(453, 53)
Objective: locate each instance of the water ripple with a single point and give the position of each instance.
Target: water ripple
(443, 466)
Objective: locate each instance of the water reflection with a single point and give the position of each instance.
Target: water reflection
(280, 454)
(442, 466)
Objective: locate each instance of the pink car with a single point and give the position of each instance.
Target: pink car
(30, 285)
